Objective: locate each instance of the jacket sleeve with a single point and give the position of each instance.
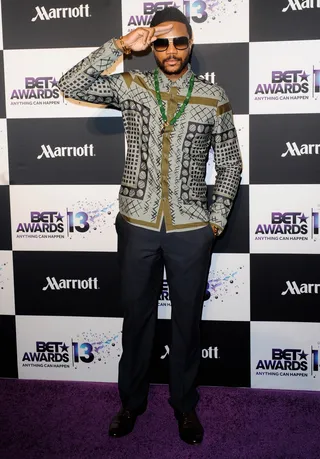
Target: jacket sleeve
(84, 81)
(228, 163)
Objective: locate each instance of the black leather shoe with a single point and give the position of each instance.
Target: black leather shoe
(123, 422)
(190, 428)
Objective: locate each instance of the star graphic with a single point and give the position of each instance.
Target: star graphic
(303, 218)
(304, 76)
(64, 348)
(303, 355)
(59, 217)
(53, 82)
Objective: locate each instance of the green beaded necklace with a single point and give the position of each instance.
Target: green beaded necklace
(160, 103)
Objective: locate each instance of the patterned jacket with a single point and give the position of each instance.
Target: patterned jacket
(164, 173)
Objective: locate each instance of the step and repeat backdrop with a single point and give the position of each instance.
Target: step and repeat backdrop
(60, 170)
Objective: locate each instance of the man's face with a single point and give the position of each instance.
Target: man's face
(172, 61)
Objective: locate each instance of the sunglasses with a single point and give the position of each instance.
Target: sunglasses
(162, 44)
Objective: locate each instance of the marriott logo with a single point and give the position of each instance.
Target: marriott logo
(61, 152)
(304, 149)
(298, 5)
(81, 11)
(294, 289)
(71, 284)
(210, 353)
(211, 77)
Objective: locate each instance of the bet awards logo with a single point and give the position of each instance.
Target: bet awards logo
(290, 363)
(289, 226)
(304, 149)
(210, 353)
(51, 224)
(82, 11)
(294, 289)
(285, 82)
(149, 9)
(87, 348)
(289, 85)
(285, 360)
(71, 284)
(57, 354)
(195, 11)
(299, 5)
(62, 152)
(37, 91)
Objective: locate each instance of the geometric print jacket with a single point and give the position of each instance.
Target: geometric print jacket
(164, 173)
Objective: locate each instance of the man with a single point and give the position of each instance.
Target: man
(171, 118)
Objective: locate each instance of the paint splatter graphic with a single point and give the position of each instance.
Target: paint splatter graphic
(217, 10)
(223, 283)
(3, 276)
(100, 214)
(103, 346)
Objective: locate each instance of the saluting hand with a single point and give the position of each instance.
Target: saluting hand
(141, 38)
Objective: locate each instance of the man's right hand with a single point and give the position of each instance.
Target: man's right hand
(141, 38)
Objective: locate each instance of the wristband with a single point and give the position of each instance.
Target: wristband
(125, 49)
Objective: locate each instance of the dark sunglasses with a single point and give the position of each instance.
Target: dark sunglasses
(162, 44)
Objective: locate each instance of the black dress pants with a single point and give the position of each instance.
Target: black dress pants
(142, 255)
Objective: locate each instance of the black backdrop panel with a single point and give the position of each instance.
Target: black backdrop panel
(2, 93)
(67, 284)
(5, 226)
(230, 63)
(284, 20)
(285, 288)
(59, 24)
(8, 367)
(285, 149)
(39, 152)
(225, 353)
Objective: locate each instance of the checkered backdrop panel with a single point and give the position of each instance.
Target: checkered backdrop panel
(59, 289)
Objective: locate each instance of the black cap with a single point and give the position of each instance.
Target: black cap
(171, 14)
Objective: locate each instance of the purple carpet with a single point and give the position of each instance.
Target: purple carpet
(69, 420)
